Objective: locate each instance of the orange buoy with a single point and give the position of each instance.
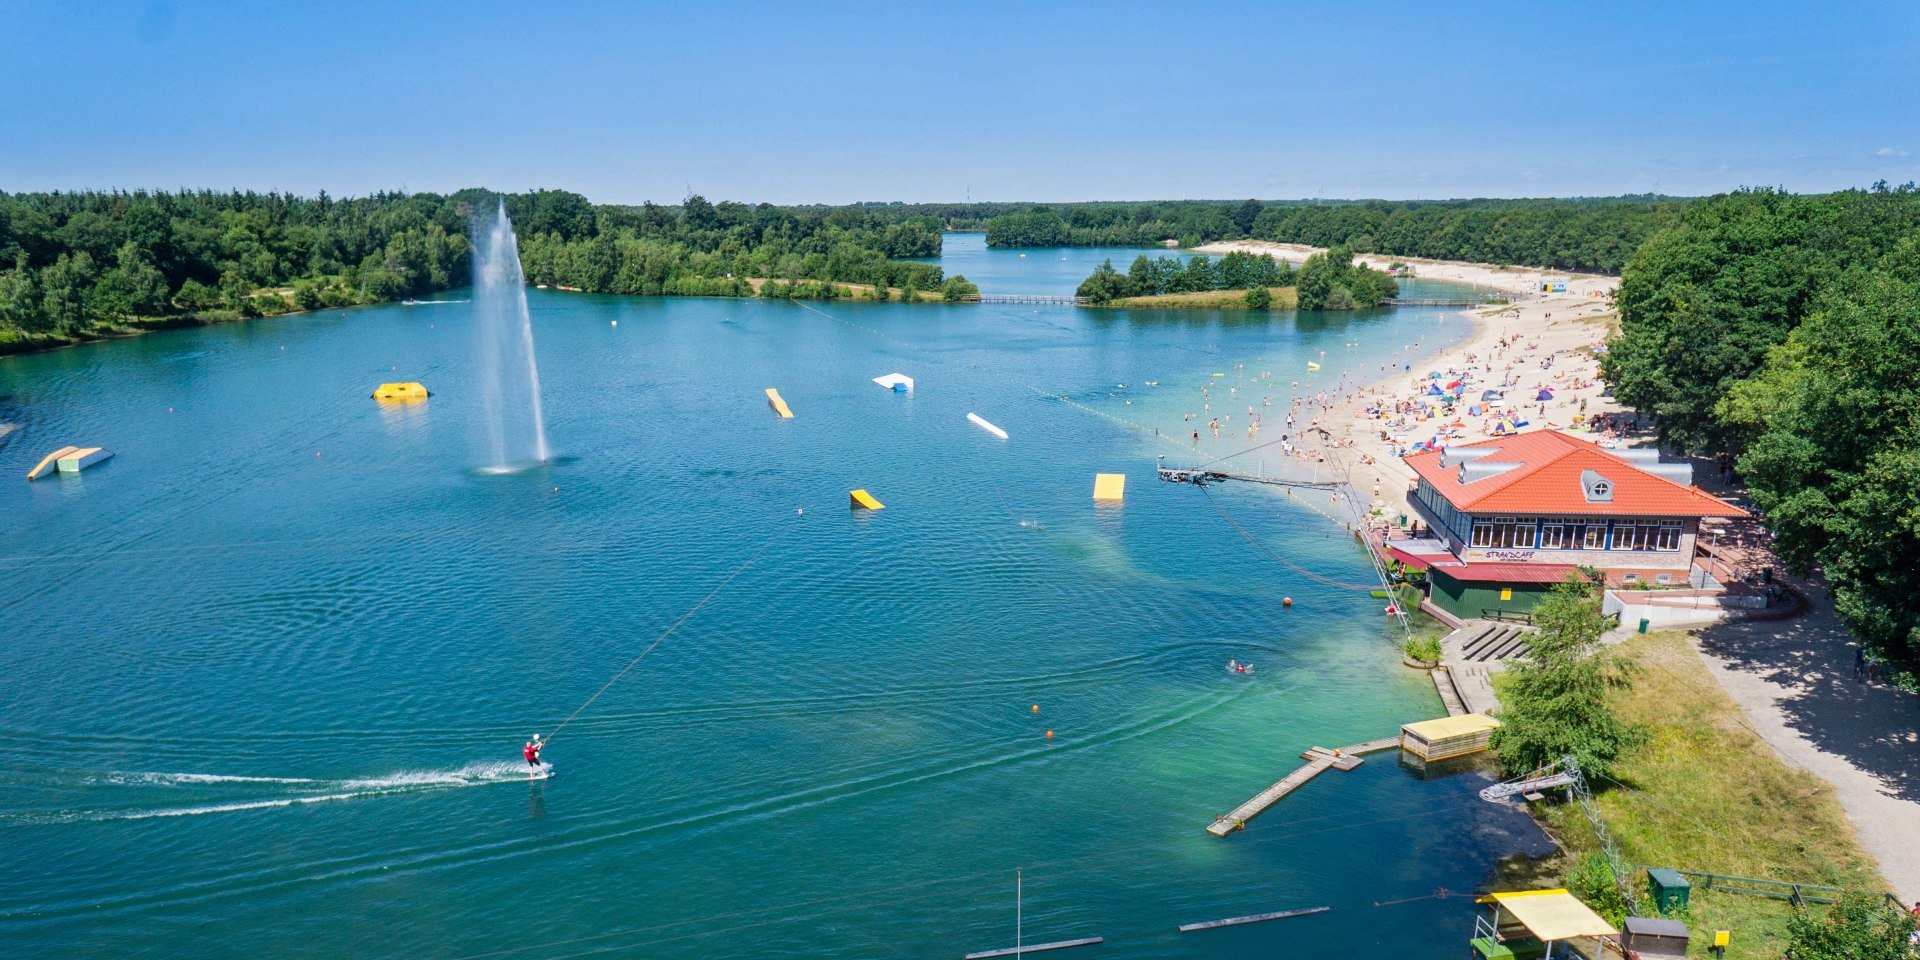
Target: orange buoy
(1390, 610)
(1049, 734)
(1286, 601)
(1036, 708)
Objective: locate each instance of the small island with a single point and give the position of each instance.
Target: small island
(1240, 281)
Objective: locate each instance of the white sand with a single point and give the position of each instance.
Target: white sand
(1538, 340)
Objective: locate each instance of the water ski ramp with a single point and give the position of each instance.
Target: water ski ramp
(863, 500)
(1109, 486)
(980, 422)
(779, 405)
(1036, 948)
(69, 460)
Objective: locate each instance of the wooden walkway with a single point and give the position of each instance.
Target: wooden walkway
(1036, 948)
(1025, 298)
(1319, 759)
(1443, 682)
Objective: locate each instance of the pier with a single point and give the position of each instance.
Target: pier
(1025, 298)
(1319, 759)
(1035, 948)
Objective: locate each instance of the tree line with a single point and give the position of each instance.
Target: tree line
(1583, 234)
(1326, 281)
(1783, 330)
(79, 265)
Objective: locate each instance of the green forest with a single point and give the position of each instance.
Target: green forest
(77, 266)
(1589, 235)
(1786, 329)
(1326, 281)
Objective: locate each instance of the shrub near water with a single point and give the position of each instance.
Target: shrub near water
(1555, 702)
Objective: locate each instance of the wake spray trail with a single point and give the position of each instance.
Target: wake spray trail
(306, 790)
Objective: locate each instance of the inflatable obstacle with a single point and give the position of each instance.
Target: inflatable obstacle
(1109, 486)
(404, 392)
(897, 382)
(863, 500)
(779, 405)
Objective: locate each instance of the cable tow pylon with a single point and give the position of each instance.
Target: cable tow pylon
(1565, 772)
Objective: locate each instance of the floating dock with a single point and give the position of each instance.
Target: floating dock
(1255, 918)
(1036, 948)
(1448, 737)
(69, 460)
(1319, 760)
(779, 405)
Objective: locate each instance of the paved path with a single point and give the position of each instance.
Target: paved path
(1794, 679)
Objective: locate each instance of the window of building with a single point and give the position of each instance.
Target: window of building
(1594, 535)
(1500, 533)
(1668, 537)
(1553, 533)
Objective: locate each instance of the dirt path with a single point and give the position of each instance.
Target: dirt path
(1795, 681)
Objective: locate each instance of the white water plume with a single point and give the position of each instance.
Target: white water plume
(516, 428)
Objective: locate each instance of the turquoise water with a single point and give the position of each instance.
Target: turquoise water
(267, 671)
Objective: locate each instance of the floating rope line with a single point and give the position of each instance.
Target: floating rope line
(737, 571)
(1303, 571)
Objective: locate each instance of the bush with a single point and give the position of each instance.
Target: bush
(1859, 927)
(1592, 881)
(1258, 298)
(1423, 649)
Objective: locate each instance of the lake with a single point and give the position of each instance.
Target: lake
(268, 670)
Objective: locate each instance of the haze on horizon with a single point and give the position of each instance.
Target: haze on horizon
(990, 101)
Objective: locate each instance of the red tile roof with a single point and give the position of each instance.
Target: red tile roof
(1547, 481)
(1413, 561)
(1505, 572)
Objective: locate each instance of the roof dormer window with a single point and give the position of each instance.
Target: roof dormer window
(1598, 489)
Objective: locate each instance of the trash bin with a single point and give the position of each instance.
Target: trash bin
(1670, 890)
(1643, 624)
(1766, 574)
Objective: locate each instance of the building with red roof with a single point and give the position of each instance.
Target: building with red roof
(1517, 514)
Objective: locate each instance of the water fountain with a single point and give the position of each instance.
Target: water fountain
(516, 431)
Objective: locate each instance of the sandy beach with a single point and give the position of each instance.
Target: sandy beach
(1363, 424)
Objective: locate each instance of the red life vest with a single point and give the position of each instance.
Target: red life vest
(531, 752)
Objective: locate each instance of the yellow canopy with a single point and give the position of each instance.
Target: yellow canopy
(1552, 914)
(1447, 728)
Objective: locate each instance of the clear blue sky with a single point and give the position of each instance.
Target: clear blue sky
(925, 101)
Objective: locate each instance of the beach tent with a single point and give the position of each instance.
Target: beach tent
(1490, 395)
(1518, 421)
(1433, 390)
(1546, 393)
(1474, 410)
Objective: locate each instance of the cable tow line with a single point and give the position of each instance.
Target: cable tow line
(737, 571)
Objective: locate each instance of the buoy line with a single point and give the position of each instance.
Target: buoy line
(1303, 571)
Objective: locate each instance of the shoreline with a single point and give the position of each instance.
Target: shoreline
(1536, 339)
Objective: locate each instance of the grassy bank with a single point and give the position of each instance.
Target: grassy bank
(1707, 794)
(1284, 298)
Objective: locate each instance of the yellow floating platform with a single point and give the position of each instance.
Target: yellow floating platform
(863, 500)
(400, 391)
(1109, 486)
(69, 460)
(779, 405)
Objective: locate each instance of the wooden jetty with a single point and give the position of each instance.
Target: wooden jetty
(1449, 695)
(1036, 948)
(1025, 298)
(1319, 759)
(1254, 918)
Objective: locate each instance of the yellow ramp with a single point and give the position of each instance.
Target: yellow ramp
(779, 405)
(863, 500)
(1109, 486)
(47, 463)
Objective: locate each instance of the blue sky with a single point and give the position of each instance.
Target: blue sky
(903, 101)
